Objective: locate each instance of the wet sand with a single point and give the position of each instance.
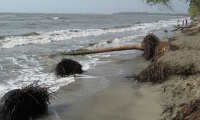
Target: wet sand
(78, 99)
(125, 100)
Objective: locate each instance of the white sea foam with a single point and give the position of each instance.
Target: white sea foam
(45, 37)
(31, 70)
(29, 74)
(2, 16)
(114, 42)
(55, 18)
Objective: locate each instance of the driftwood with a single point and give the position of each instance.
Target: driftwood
(148, 45)
(110, 49)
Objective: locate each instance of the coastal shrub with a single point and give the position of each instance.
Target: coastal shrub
(23, 104)
(189, 111)
(68, 67)
(155, 73)
(149, 45)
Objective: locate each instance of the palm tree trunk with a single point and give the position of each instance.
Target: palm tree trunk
(110, 49)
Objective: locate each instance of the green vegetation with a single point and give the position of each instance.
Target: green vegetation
(194, 7)
(165, 3)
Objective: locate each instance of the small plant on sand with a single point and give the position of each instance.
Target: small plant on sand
(149, 46)
(68, 67)
(155, 73)
(23, 104)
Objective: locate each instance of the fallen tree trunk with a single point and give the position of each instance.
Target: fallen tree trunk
(148, 46)
(110, 49)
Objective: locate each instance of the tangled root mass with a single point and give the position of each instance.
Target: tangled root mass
(23, 104)
(68, 67)
(149, 45)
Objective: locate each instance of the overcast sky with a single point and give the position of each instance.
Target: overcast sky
(83, 6)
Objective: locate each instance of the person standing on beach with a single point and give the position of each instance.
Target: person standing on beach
(183, 22)
(178, 23)
(186, 21)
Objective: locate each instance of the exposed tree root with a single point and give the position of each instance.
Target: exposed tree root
(67, 67)
(189, 111)
(155, 73)
(149, 46)
(23, 104)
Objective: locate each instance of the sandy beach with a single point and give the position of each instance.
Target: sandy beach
(35, 49)
(78, 99)
(124, 98)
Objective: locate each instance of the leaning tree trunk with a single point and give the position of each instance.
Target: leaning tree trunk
(110, 49)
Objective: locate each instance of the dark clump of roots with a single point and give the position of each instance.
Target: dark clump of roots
(189, 111)
(155, 73)
(160, 50)
(149, 45)
(190, 70)
(173, 47)
(23, 104)
(68, 67)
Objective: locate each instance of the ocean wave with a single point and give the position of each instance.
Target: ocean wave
(57, 18)
(112, 43)
(3, 16)
(54, 18)
(122, 26)
(46, 37)
(2, 37)
(30, 72)
(23, 35)
(27, 69)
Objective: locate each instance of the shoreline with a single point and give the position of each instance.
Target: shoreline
(121, 98)
(125, 100)
(76, 99)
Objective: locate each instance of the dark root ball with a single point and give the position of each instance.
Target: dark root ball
(23, 104)
(154, 73)
(68, 67)
(149, 45)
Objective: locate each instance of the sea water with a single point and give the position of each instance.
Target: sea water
(30, 43)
